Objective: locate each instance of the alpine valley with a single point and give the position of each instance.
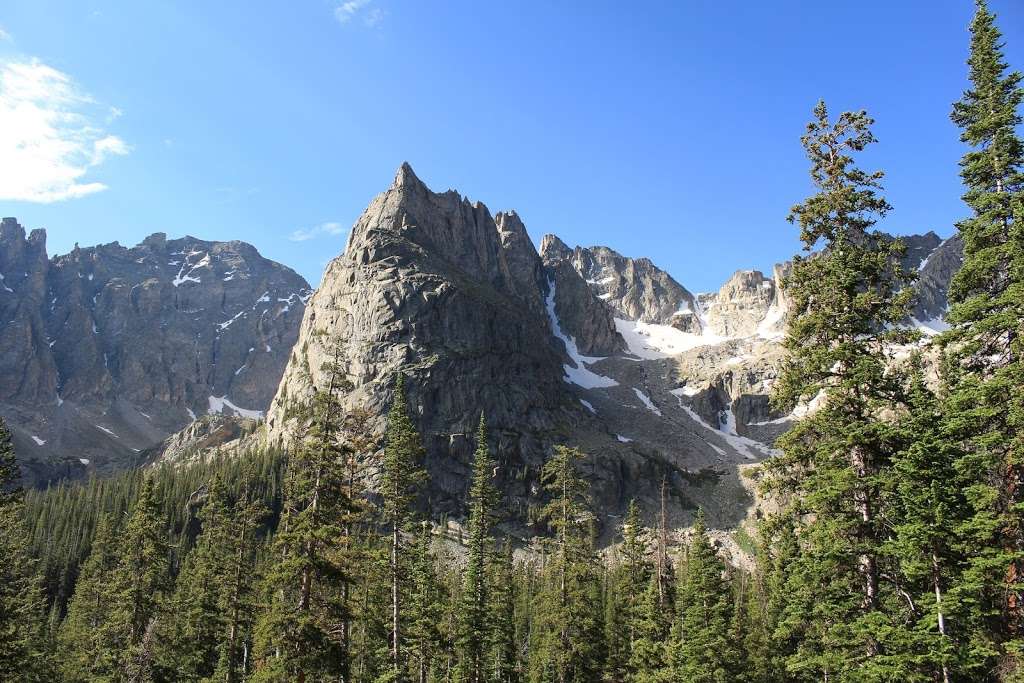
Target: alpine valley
(179, 349)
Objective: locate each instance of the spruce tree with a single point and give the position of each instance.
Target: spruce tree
(23, 655)
(140, 584)
(567, 643)
(237, 599)
(400, 477)
(847, 302)
(985, 346)
(197, 623)
(85, 637)
(702, 651)
(424, 608)
(473, 621)
(502, 662)
(297, 632)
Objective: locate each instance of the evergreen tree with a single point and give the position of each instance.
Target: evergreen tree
(23, 655)
(237, 600)
(298, 628)
(425, 607)
(847, 301)
(985, 346)
(139, 585)
(474, 623)
(196, 620)
(926, 509)
(502, 664)
(400, 478)
(84, 637)
(567, 642)
(701, 650)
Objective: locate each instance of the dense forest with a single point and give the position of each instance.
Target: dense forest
(893, 548)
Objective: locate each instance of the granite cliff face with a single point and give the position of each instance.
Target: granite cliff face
(107, 350)
(581, 346)
(635, 289)
(432, 286)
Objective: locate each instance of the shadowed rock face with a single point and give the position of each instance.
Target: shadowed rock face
(107, 350)
(937, 269)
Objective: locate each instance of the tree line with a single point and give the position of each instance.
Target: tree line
(894, 548)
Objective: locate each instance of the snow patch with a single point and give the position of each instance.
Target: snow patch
(102, 428)
(647, 401)
(650, 341)
(225, 325)
(191, 414)
(588, 406)
(766, 328)
(930, 328)
(623, 439)
(218, 404)
(4, 285)
(39, 442)
(84, 461)
(748, 448)
(685, 391)
(578, 372)
(184, 277)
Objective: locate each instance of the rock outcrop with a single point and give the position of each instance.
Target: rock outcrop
(936, 270)
(635, 289)
(432, 286)
(107, 350)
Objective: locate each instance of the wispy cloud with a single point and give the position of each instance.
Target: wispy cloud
(359, 10)
(4, 35)
(51, 135)
(324, 229)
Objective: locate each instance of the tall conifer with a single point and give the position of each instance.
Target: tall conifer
(473, 616)
(985, 346)
(847, 302)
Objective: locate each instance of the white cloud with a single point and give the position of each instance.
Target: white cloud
(4, 35)
(329, 228)
(374, 17)
(50, 135)
(352, 9)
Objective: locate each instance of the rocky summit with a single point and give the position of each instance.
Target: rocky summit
(108, 350)
(578, 345)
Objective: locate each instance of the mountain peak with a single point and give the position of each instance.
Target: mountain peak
(405, 176)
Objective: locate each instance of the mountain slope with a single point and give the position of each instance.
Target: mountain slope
(107, 350)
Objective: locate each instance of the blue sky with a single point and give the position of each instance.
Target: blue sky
(669, 130)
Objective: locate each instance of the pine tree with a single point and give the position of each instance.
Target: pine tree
(474, 622)
(926, 509)
(401, 476)
(701, 650)
(630, 638)
(425, 606)
(140, 584)
(568, 635)
(196, 622)
(985, 346)
(502, 664)
(237, 600)
(298, 628)
(847, 301)
(23, 655)
(84, 637)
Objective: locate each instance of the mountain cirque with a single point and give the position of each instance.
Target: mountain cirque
(108, 350)
(581, 346)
